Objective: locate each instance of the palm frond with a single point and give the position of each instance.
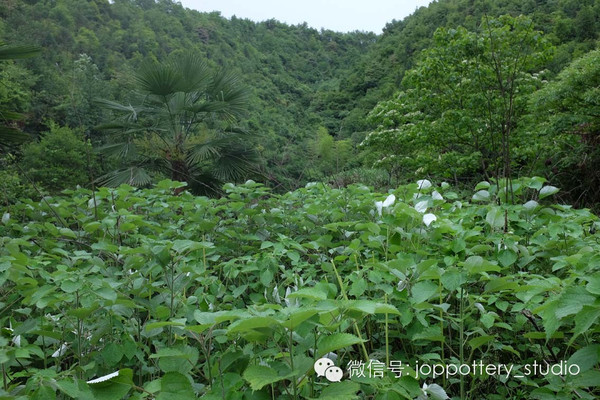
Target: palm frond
(226, 88)
(134, 176)
(236, 163)
(194, 72)
(159, 79)
(15, 52)
(123, 150)
(11, 115)
(12, 136)
(204, 151)
(114, 106)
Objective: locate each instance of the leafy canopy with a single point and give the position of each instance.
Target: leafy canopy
(460, 106)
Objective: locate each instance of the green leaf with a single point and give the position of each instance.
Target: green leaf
(593, 285)
(248, 324)
(114, 388)
(184, 246)
(258, 376)
(107, 293)
(480, 341)
(309, 293)
(452, 279)
(586, 358)
(298, 316)
(422, 291)
(345, 390)
(584, 320)
(174, 385)
(548, 191)
(335, 342)
(477, 265)
(43, 393)
(162, 324)
(482, 185)
(482, 195)
(358, 287)
(507, 258)
(587, 379)
(112, 354)
(266, 277)
(572, 301)
(495, 217)
(75, 389)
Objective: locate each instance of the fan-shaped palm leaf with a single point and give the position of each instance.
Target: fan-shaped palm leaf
(14, 52)
(182, 100)
(238, 161)
(134, 176)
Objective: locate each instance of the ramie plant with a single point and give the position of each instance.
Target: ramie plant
(158, 294)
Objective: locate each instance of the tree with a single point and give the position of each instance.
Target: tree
(182, 127)
(58, 161)
(461, 104)
(568, 120)
(10, 135)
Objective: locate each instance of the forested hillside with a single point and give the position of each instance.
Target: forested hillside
(309, 91)
(91, 48)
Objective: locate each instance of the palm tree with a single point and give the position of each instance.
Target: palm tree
(10, 135)
(182, 128)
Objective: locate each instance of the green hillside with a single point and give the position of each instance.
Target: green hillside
(310, 91)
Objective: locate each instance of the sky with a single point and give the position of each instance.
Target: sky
(337, 15)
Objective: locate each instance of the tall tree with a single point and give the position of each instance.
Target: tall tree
(182, 127)
(462, 103)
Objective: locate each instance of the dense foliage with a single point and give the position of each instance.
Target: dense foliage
(150, 291)
(236, 297)
(302, 81)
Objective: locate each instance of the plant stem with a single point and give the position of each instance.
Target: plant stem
(461, 342)
(356, 330)
(387, 338)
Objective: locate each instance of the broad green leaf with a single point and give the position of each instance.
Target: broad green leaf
(162, 324)
(481, 195)
(43, 393)
(452, 279)
(478, 265)
(75, 389)
(114, 388)
(482, 185)
(572, 301)
(587, 357)
(422, 291)
(248, 324)
(345, 390)
(548, 191)
(258, 376)
(480, 341)
(507, 258)
(336, 341)
(584, 320)
(309, 293)
(593, 285)
(174, 385)
(495, 217)
(112, 354)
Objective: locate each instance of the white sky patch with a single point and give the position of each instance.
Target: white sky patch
(336, 15)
